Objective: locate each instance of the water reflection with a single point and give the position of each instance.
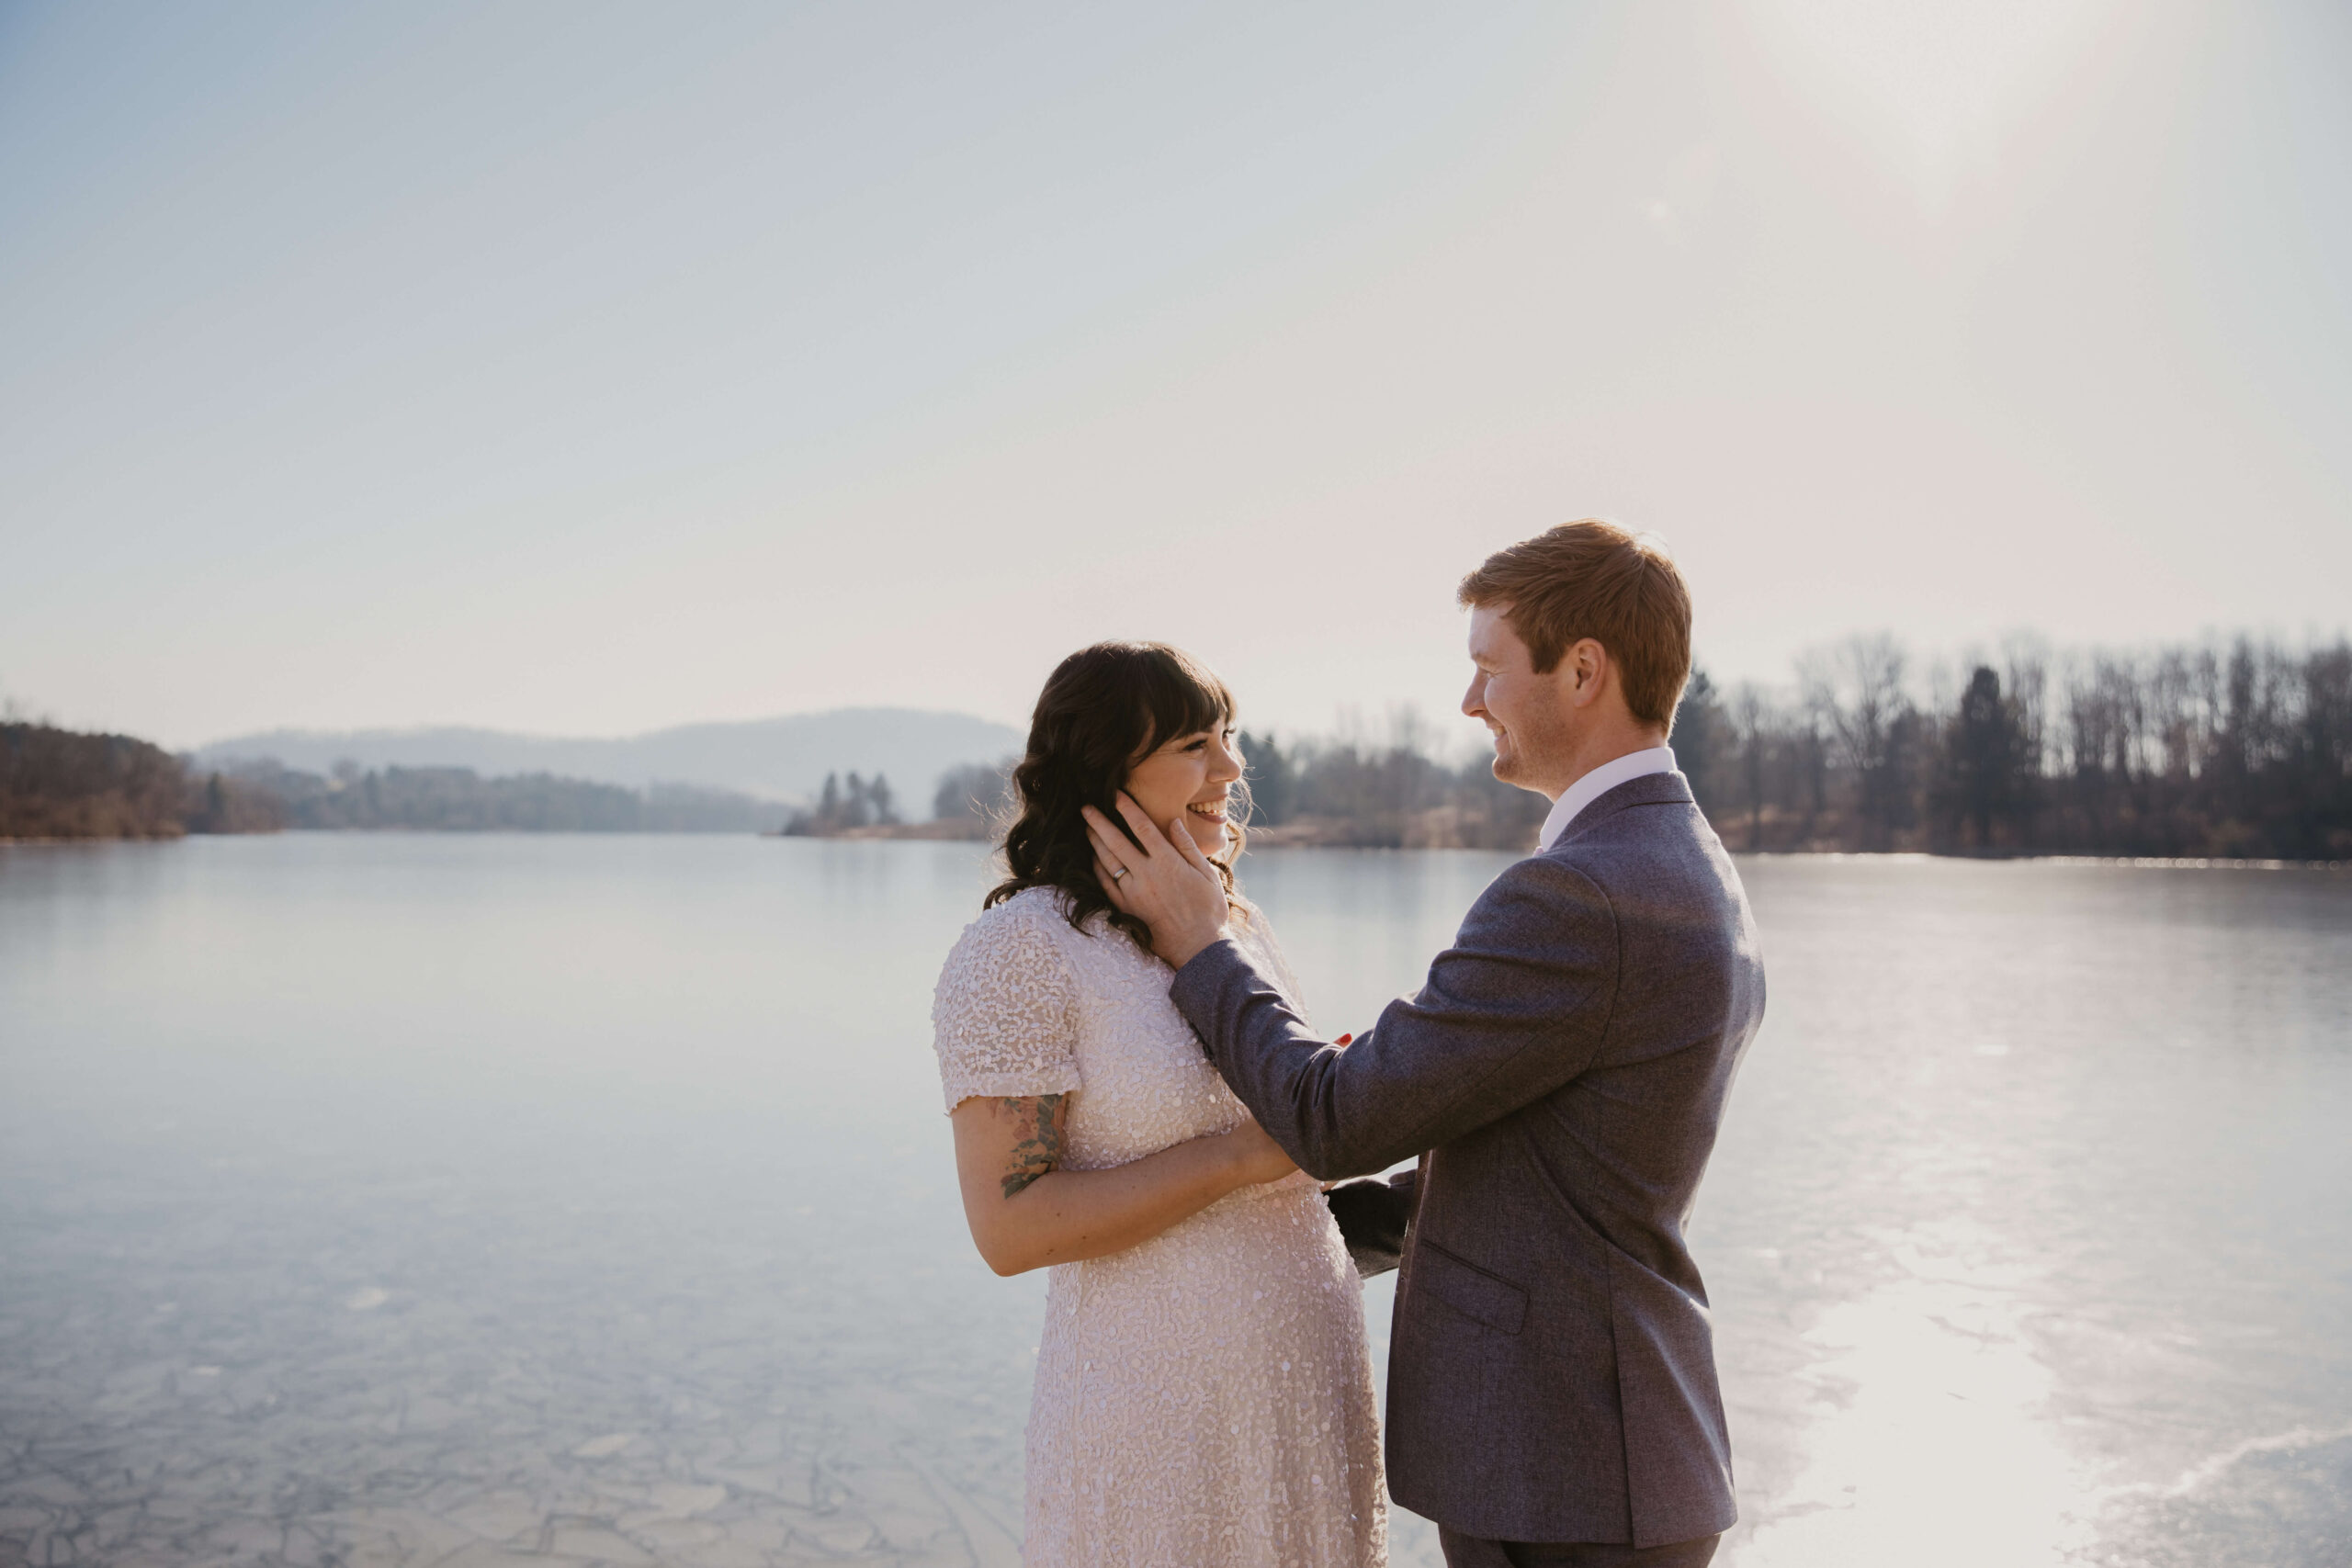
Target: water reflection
(1927, 1426)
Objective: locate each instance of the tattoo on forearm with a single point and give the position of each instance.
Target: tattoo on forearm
(1037, 1140)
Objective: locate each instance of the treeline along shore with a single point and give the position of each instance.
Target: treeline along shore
(2223, 749)
(2237, 750)
(57, 784)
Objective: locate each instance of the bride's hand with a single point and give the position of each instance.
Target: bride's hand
(1257, 1157)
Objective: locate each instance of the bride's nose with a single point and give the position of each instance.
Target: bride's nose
(1225, 762)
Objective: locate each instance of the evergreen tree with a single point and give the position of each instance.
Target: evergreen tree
(1702, 741)
(1982, 781)
(1272, 778)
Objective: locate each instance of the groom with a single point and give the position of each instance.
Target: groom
(1561, 1075)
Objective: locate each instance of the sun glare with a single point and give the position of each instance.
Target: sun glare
(1928, 1406)
(1935, 90)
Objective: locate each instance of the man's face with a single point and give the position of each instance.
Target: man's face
(1529, 714)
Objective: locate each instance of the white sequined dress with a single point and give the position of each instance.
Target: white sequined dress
(1203, 1399)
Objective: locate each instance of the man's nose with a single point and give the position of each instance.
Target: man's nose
(1474, 701)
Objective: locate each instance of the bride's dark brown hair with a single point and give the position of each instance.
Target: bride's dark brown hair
(1105, 709)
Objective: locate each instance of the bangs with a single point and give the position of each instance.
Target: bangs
(1181, 696)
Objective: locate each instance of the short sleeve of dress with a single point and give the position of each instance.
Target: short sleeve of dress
(1001, 1017)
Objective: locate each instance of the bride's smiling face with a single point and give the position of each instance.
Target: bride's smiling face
(1191, 777)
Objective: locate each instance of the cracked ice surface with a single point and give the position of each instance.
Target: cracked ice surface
(490, 1201)
(622, 1380)
(467, 1201)
(681, 1376)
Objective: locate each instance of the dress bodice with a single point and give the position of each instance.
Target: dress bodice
(1028, 1004)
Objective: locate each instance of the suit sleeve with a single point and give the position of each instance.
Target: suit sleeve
(1515, 1008)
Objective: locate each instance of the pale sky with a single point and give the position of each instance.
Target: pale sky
(584, 370)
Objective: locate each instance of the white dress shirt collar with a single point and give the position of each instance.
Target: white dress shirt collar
(1598, 782)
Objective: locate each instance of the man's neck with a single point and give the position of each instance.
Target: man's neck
(1600, 749)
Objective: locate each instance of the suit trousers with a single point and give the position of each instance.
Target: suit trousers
(1470, 1551)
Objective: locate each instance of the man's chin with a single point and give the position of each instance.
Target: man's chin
(1508, 771)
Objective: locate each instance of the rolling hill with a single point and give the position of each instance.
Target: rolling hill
(784, 758)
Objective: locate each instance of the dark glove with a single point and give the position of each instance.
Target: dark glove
(1372, 1217)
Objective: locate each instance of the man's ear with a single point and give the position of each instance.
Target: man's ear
(1587, 662)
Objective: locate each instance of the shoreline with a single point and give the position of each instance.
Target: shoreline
(1264, 838)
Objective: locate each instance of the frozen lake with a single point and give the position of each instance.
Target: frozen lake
(487, 1200)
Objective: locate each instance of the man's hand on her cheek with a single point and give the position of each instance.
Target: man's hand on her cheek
(1160, 877)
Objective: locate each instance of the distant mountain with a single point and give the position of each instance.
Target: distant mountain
(776, 758)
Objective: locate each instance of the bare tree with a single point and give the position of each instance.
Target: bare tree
(1855, 690)
(1751, 724)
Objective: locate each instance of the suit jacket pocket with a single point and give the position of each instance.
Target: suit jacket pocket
(1468, 1288)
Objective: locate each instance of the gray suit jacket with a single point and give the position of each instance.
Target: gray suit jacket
(1562, 1075)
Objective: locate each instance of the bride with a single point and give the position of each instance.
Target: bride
(1204, 1392)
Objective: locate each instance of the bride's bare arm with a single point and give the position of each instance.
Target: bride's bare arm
(1025, 1212)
